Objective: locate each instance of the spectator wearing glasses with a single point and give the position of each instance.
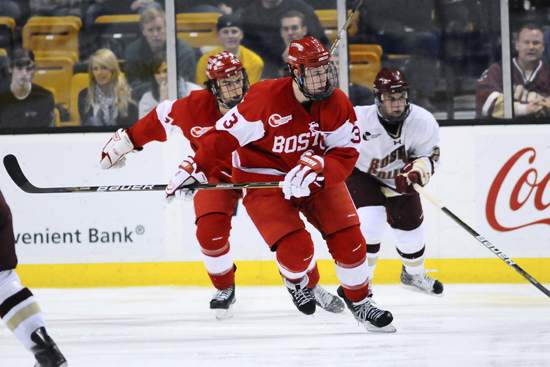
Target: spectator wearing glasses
(25, 104)
(230, 34)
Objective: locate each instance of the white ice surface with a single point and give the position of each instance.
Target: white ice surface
(472, 325)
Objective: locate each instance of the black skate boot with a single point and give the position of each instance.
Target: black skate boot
(327, 301)
(421, 283)
(47, 354)
(366, 313)
(222, 301)
(301, 295)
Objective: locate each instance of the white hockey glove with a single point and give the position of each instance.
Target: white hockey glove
(297, 181)
(186, 175)
(116, 148)
(415, 172)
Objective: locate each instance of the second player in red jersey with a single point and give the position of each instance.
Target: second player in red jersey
(193, 116)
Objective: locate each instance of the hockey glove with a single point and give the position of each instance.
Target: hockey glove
(415, 172)
(297, 181)
(113, 153)
(186, 175)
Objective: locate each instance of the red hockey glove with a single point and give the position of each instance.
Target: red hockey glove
(186, 175)
(415, 172)
(297, 181)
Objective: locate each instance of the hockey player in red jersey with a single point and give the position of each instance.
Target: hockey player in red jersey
(400, 146)
(299, 130)
(194, 116)
(18, 308)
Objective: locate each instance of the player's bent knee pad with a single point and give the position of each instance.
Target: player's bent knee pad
(410, 241)
(373, 222)
(213, 233)
(295, 253)
(347, 246)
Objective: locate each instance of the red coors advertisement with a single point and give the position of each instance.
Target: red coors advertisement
(523, 190)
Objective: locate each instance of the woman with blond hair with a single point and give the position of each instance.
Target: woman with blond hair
(107, 100)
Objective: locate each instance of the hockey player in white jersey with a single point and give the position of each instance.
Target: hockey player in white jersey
(399, 147)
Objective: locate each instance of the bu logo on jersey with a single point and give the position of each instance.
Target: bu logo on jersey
(276, 120)
(198, 131)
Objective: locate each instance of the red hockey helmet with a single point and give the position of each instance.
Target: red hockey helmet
(391, 81)
(222, 65)
(309, 53)
(227, 79)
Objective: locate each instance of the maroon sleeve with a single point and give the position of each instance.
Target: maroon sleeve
(489, 82)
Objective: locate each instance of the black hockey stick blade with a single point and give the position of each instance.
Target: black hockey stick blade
(16, 173)
(481, 239)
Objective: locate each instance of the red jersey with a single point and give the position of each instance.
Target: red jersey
(270, 131)
(191, 116)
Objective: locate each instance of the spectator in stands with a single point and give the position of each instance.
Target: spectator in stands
(230, 34)
(530, 80)
(262, 30)
(159, 86)
(114, 7)
(139, 53)
(25, 104)
(405, 27)
(107, 100)
(359, 95)
(58, 8)
(293, 28)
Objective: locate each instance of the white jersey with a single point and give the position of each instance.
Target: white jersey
(383, 155)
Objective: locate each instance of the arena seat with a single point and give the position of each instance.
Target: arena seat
(361, 48)
(56, 73)
(7, 25)
(364, 67)
(329, 21)
(79, 81)
(198, 29)
(115, 32)
(52, 36)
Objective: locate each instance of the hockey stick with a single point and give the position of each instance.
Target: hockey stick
(481, 239)
(14, 170)
(345, 27)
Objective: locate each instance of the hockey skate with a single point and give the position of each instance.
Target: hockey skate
(366, 313)
(47, 354)
(222, 301)
(421, 283)
(301, 295)
(327, 301)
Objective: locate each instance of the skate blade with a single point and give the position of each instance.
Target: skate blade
(418, 290)
(333, 309)
(223, 314)
(375, 329)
